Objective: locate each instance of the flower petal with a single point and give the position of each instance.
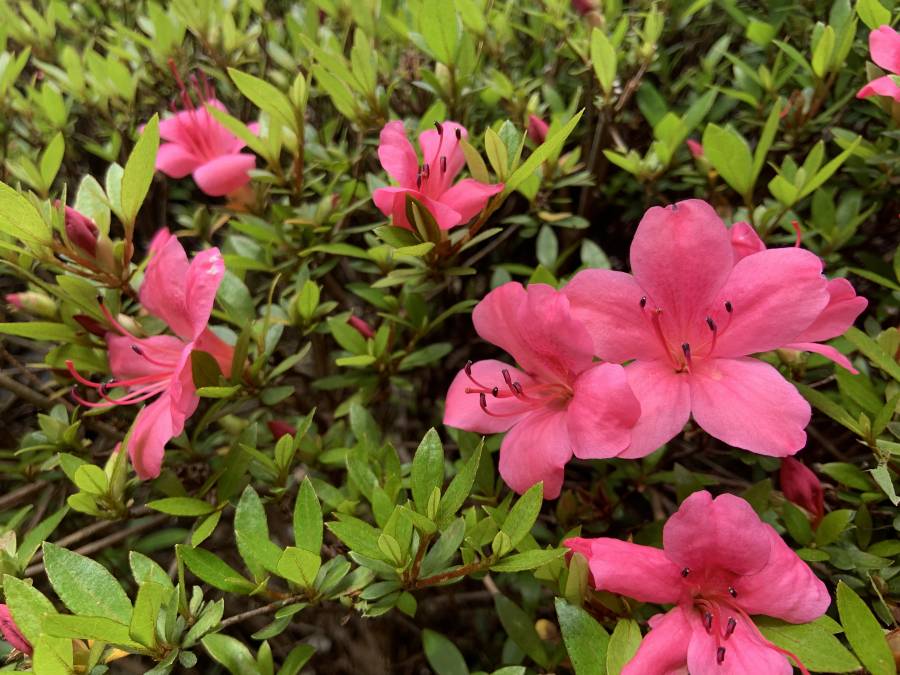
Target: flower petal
(844, 305)
(748, 404)
(155, 425)
(396, 154)
(882, 86)
(709, 535)
(536, 449)
(469, 197)
(162, 291)
(391, 201)
(203, 278)
(640, 572)
(216, 347)
(681, 256)
(744, 241)
(827, 351)
(445, 216)
(775, 295)
(884, 45)
(602, 412)
(745, 652)
(435, 145)
(463, 410)
(178, 128)
(160, 355)
(175, 161)
(663, 651)
(224, 174)
(665, 399)
(785, 588)
(609, 305)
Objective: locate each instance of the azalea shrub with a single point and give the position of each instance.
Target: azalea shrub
(449, 336)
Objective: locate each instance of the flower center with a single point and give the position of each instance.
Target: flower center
(440, 160)
(537, 396)
(679, 351)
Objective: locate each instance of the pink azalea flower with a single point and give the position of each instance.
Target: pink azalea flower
(690, 316)
(801, 486)
(431, 183)
(181, 293)
(199, 145)
(719, 565)
(11, 632)
(537, 129)
(558, 403)
(884, 45)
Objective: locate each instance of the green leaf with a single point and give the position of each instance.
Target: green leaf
(357, 535)
(440, 28)
(28, 606)
(139, 172)
(265, 96)
(52, 656)
(347, 336)
(299, 566)
(427, 470)
(864, 633)
(144, 569)
(214, 571)
(603, 58)
(821, 57)
(882, 476)
(443, 656)
(528, 560)
(40, 330)
(251, 530)
(86, 587)
(51, 159)
(520, 628)
(623, 644)
(812, 643)
(873, 351)
(551, 146)
(89, 628)
(20, 219)
(150, 598)
(297, 658)
(459, 488)
(35, 536)
(523, 514)
(231, 653)
(308, 519)
(765, 140)
(182, 506)
(729, 153)
(586, 640)
(91, 479)
(832, 526)
(872, 13)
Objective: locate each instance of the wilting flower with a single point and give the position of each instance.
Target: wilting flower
(430, 183)
(884, 46)
(199, 145)
(558, 403)
(695, 148)
(11, 632)
(690, 316)
(537, 129)
(801, 486)
(719, 565)
(181, 294)
(81, 231)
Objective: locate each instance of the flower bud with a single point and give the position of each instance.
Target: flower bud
(801, 486)
(537, 129)
(11, 632)
(280, 428)
(81, 231)
(36, 304)
(695, 148)
(90, 324)
(361, 326)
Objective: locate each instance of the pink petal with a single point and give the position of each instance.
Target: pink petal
(11, 632)
(160, 239)
(163, 289)
(681, 256)
(469, 197)
(224, 174)
(827, 351)
(178, 128)
(748, 404)
(154, 426)
(882, 86)
(463, 410)
(602, 412)
(434, 146)
(844, 305)
(785, 588)
(221, 351)
(203, 278)
(609, 305)
(175, 161)
(161, 355)
(745, 241)
(643, 573)
(884, 44)
(665, 398)
(709, 535)
(391, 202)
(445, 216)
(663, 650)
(397, 155)
(745, 652)
(775, 295)
(536, 449)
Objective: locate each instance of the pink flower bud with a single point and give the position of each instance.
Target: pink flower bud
(584, 7)
(90, 324)
(280, 428)
(36, 304)
(801, 486)
(695, 148)
(11, 632)
(537, 129)
(361, 326)
(81, 231)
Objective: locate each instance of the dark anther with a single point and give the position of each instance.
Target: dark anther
(729, 628)
(517, 387)
(468, 368)
(720, 655)
(426, 170)
(440, 128)
(458, 134)
(482, 401)
(507, 378)
(707, 621)
(418, 181)
(495, 392)
(137, 350)
(99, 298)
(443, 165)
(686, 348)
(728, 307)
(732, 592)
(685, 571)
(711, 324)
(643, 301)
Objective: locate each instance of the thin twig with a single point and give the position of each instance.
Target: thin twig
(259, 611)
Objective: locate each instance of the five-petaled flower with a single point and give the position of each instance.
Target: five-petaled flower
(719, 565)
(431, 182)
(199, 145)
(695, 308)
(558, 403)
(884, 46)
(181, 293)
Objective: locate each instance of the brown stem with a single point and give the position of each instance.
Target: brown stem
(462, 571)
(265, 609)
